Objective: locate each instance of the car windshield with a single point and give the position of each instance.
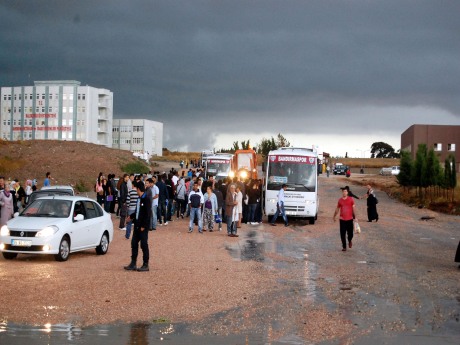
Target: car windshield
(48, 208)
(244, 161)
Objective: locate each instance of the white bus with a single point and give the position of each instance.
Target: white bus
(298, 168)
(218, 165)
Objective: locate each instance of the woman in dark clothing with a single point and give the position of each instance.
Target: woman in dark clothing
(371, 205)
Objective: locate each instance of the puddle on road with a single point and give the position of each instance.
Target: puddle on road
(287, 254)
(130, 334)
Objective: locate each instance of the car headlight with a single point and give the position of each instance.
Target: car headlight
(4, 231)
(310, 202)
(231, 174)
(243, 174)
(273, 201)
(48, 231)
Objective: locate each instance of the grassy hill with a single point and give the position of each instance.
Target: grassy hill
(70, 162)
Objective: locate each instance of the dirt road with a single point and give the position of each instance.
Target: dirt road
(272, 284)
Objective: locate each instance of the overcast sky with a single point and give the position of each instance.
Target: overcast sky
(339, 75)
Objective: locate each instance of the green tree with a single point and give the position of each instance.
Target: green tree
(281, 141)
(419, 172)
(235, 146)
(383, 150)
(267, 145)
(405, 173)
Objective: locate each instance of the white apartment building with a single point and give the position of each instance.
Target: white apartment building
(143, 137)
(57, 110)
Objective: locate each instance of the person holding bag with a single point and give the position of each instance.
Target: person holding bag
(209, 209)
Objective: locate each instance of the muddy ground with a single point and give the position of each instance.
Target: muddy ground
(271, 285)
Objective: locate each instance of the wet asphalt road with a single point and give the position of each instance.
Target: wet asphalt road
(398, 284)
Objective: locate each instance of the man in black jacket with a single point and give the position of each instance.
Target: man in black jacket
(122, 202)
(141, 219)
(162, 197)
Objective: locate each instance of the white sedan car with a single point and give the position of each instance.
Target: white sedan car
(57, 225)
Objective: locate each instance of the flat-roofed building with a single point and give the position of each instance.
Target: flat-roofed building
(57, 110)
(444, 139)
(140, 136)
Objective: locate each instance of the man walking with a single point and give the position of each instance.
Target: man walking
(195, 201)
(280, 207)
(346, 207)
(141, 230)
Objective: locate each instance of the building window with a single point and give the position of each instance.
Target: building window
(71, 110)
(83, 96)
(64, 109)
(115, 140)
(50, 109)
(9, 97)
(79, 97)
(115, 129)
(83, 109)
(43, 96)
(43, 109)
(37, 109)
(437, 147)
(451, 147)
(20, 96)
(71, 96)
(64, 96)
(19, 109)
(15, 96)
(51, 96)
(4, 97)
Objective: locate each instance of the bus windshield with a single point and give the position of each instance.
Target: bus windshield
(216, 167)
(300, 176)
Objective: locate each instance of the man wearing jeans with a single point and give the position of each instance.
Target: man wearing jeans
(280, 207)
(346, 206)
(154, 193)
(195, 201)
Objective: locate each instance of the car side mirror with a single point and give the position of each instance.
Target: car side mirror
(78, 218)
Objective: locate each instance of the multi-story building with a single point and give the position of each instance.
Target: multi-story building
(58, 110)
(444, 139)
(143, 137)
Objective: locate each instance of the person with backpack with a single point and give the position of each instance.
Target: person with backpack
(181, 193)
(195, 201)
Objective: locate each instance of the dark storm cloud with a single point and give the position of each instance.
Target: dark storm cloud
(265, 65)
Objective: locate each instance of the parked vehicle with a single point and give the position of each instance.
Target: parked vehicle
(296, 167)
(57, 225)
(245, 164)
(51, 191)
(218, 165)
(394, 170)
(340, 169)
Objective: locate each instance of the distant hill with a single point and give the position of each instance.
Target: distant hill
(70, 162)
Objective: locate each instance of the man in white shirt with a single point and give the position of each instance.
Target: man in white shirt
(155, 193)
(280, 207)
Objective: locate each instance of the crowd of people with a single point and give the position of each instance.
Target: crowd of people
(14, 197)
(207, 203)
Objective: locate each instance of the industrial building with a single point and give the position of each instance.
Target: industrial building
(444, 139)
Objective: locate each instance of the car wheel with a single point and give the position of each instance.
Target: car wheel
(103, 247)
(10, 256)
(64, 249)
(312, 220)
